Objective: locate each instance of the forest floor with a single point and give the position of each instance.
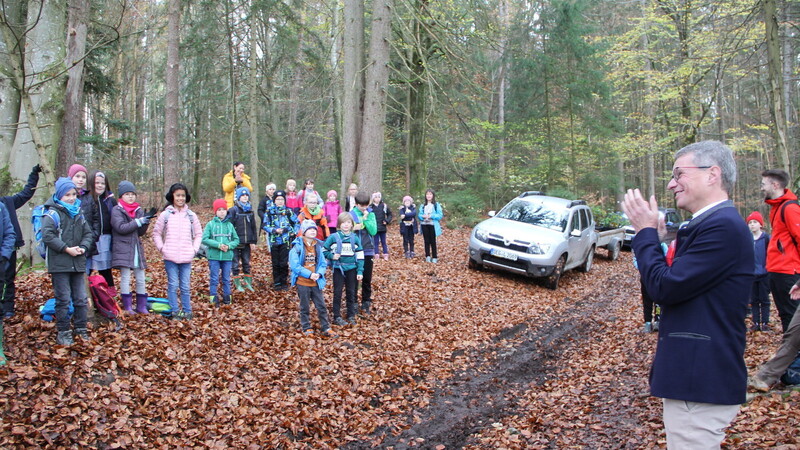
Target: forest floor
(450, 358)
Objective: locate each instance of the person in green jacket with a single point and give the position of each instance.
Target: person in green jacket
(221, 238)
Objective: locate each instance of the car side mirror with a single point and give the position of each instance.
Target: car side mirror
(492, 213)
(575, 233)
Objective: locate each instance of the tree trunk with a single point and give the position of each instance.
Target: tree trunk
(42, 98)
(172, 173)
(13, 16)
(775, 67)
(370, 158)
(353, 80)
(294, 107)
(417, 107)
(73, 101)
(253, 114)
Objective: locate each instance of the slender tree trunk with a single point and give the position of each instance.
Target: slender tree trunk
(12, 16)
(172, 173)
(775, 66)
(370, 158)
(294, 108)
(253, 114)
(73, 101)
(417, 106)
(353, 57)
(501, 91)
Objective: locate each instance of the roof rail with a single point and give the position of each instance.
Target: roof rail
(577, 202)
(529, 193)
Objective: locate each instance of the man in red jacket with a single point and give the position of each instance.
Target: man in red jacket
(783, 254)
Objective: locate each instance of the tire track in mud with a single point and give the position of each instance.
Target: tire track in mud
(485, 392)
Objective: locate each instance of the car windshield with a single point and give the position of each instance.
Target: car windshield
(534, 214)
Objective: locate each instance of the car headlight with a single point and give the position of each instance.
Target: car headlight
(538, 249)
(481, 235)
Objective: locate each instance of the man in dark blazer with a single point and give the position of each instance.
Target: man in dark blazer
(698, 369)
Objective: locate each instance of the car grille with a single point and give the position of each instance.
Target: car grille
(512, 246)
(521, 265)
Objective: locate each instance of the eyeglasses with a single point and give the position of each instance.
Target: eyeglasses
(676, 173)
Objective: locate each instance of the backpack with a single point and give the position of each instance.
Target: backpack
(203, 251)
(48, 310)
(159, 306)
(792, 375)
(37, 217)
(103, 301)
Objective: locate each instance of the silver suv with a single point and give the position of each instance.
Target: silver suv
(536, 235)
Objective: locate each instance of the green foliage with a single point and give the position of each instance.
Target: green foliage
(462, 208)
(607, 219)
(7, 183)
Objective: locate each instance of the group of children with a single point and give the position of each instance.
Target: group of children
(304, 239)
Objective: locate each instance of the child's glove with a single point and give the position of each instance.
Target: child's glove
(143, 220)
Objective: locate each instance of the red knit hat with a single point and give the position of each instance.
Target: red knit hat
(220, 203)
(755, 215)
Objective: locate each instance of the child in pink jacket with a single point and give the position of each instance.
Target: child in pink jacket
(178, 235)
(332, 209)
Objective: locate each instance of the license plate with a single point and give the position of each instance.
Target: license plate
(500, 253)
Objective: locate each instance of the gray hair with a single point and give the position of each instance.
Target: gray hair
(713, 153)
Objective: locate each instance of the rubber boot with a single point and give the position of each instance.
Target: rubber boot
(248, 283)
(237, 282)
(2, 352)
(141, 303)
(226, 299)
(127, 303)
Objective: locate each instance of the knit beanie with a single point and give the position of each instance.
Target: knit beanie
(279, 194)
(75, 168)
(219, 203)
(408, 197)
(331, 192)
(240, 191)
(124, 187)
(755, 215)
(63, 185)
(308, 223)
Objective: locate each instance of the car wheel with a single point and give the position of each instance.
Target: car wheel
(473, 265)
(587, 265)
(613, 252)
(552, 281)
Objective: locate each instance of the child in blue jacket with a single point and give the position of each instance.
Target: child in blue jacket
(308, 266)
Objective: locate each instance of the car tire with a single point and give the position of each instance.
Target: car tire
(551, 282)
(473, 265)
(613, 252)
(587, 265)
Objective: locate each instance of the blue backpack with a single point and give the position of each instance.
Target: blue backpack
(792, 375)
(36, 219)
(48, 310)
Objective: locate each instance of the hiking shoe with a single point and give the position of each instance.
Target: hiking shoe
(648, 327)
(427, 259)
(308, 332)
(655, 326)
(339, 321)
(64, 338)
(328, 333)
(765, 327)
(352, 321)
(226, 299)
(8, 315)
(758, 384)
(213, 300)
(755, 327)
(82, 333)
(434, 260)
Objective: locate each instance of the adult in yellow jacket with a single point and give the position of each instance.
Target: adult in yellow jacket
(234, 179)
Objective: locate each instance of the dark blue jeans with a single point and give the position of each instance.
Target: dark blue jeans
(243, 253)
(759, 299)
(380, 238)
(70, 286)
(314, 294)
(214, 268)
